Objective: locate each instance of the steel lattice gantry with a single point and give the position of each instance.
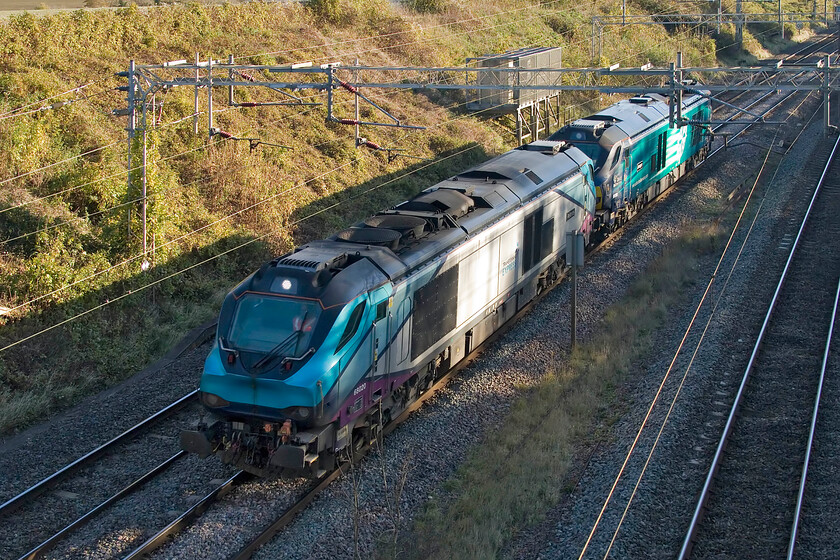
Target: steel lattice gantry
(146, 81)
(708, 20)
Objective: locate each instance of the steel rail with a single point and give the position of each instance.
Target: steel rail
(822, 42)
(814, 46)
(50, 543)
(37, 489)
(749, 106)
(188, 516)
(704, 495)
(804, 476)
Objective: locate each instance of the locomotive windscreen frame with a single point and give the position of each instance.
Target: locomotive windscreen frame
(435, 311)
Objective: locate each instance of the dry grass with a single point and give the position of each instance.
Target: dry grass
(518, 473)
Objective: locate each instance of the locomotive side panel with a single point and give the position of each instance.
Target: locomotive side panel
(479, 280)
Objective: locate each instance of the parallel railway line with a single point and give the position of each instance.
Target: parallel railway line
(30, 494)
(753, 473)
(817, 495)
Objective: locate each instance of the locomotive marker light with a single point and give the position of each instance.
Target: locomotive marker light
(574, 258)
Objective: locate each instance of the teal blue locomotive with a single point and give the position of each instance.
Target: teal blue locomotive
(637, 154)
(320, 348)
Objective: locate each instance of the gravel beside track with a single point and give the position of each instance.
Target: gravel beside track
(236, 519)
(818, 536)
(661, 509)
(33, 455)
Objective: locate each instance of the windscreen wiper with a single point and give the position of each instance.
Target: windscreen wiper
(276, 350)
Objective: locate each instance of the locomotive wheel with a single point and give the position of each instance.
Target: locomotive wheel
(360, 439)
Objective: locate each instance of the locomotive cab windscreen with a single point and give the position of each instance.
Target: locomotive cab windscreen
(270, 324)
(585, 141)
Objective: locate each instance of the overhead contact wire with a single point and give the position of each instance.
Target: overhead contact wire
(193, 232)
(130, 292)
(209, 259)
(42, 101)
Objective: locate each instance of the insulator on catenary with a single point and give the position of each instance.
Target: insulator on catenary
(247, 77)
(348, 87)
(248, 104)
(372, 145)
(348, 121)
(223, 134)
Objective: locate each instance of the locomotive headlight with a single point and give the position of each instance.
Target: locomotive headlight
(213, 401)
(303, 412)
(284, 285)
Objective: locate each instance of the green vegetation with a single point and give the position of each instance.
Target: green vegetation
(65, 210)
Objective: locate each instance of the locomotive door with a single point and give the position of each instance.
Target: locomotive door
(628, 167)
(621, 174)
(380, 347)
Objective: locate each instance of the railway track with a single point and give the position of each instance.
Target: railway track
(29, 495)
(81, 491)
(755, 471)
(817, 537)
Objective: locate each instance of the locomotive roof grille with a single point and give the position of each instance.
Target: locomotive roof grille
(588, 124)
(549, 148)
(300, 263)
(536, 179)
(482, 176)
